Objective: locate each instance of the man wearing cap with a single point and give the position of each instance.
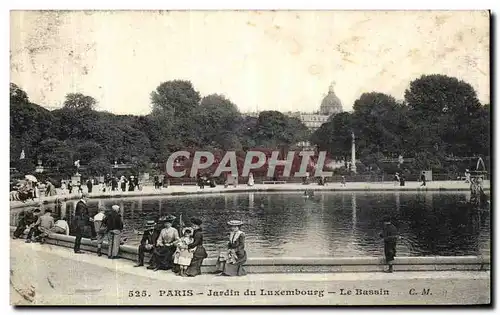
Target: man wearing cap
(100, 228)
(165, 246)
(114, 226)
(389, 234)
(148, 241)
(45, 223)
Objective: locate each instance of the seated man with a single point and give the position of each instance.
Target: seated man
(45, 223)
(26, 218)
(33, 232)
(148, 241)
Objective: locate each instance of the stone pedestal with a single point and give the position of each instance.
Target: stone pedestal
(75, 179)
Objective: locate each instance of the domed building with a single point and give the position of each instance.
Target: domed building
(331, 104)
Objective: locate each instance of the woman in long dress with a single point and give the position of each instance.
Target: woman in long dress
(200, 253)
(237, 256)
(251, 181)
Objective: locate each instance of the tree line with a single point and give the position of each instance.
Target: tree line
(180, 119)
(439, 117)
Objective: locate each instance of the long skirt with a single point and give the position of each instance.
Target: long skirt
(164, 257)
(235, 269)
(113, 243)
(389, 250)
(194, 268)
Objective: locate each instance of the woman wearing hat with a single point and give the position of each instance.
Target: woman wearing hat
(232, 265)
(199, 253)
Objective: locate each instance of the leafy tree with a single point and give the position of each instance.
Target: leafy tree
(79, 101)
(218, 119)
(274, 130)
(17, 95)
(55, 153)
(334, 136)
(379, 124)
(177, 97)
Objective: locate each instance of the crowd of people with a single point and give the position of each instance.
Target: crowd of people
(178, 248)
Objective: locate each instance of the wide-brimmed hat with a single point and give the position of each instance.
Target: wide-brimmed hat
(235, 223)
(115, 207)
(167, 218)
(150, 224)
(196, 221)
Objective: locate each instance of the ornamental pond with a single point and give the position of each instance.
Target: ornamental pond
(329, 224)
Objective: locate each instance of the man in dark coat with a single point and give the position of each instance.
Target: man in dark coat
(114, 184)
(148, 241)
(422, 178)
(89, 185)
(390, 236)
(80, 221)
(114, 225)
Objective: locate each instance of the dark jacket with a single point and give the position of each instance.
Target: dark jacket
(113, 221)
(200, 251)
(150, 237)
(238, 245)
(390, 233)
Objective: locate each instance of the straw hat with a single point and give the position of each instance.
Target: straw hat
(235, 223)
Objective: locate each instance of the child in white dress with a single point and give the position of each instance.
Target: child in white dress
(183, 255)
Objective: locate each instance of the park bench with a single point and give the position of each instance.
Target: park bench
(274, 182)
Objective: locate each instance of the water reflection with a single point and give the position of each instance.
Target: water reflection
(330, 224)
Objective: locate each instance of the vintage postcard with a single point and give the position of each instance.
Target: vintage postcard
(250, 158)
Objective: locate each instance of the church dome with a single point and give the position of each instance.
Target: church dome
(331, 104)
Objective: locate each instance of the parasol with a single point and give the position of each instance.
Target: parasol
(31, 178)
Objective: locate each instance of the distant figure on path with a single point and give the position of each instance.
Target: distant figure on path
(396, 179)
(232, 265)
(467, 176)
(390, 236)
(342, 181)
(401, 180)
(422, 178)
(131, 183)
(89, 185)
(114, 225)
(250, 180)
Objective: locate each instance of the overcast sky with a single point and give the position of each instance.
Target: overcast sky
(263, 60)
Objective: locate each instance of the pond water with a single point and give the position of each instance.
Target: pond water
(331, 224)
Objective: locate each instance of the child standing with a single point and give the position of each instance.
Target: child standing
(183, 255)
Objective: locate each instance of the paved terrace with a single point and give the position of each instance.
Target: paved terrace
(52, 275)
(191, 189)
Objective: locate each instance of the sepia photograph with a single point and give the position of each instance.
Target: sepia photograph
(250, 158)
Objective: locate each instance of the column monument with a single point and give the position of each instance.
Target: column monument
(353, 154)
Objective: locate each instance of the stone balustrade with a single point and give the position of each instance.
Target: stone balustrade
(310, 265)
